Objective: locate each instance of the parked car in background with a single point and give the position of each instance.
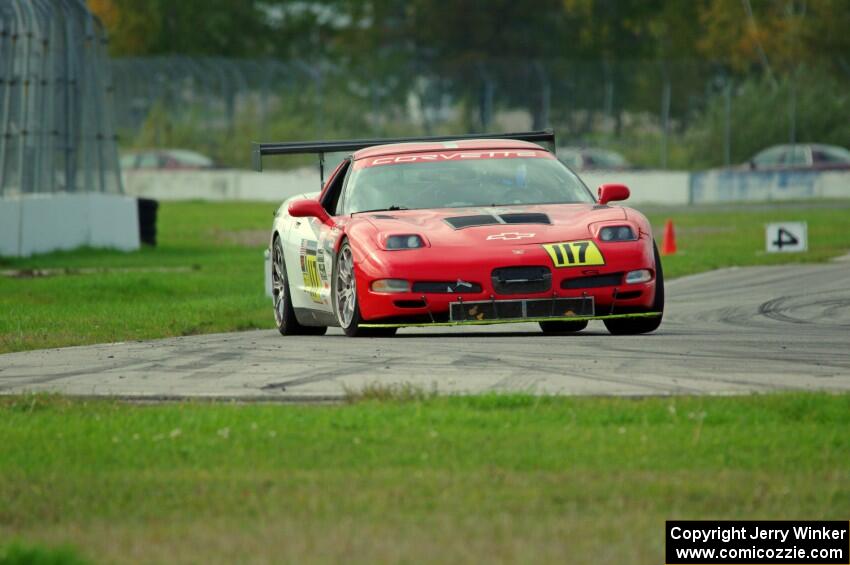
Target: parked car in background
(801, 156)
(592, 159)
(165, 159)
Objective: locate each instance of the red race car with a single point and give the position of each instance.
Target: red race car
(459, 230)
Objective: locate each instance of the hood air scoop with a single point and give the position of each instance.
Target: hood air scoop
(526, 218)
(460, 222)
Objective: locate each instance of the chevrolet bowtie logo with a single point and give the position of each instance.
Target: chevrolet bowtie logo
(510, 235)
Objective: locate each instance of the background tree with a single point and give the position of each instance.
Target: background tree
(618, 72)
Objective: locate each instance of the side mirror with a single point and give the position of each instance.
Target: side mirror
(309, 208)
(611, 192)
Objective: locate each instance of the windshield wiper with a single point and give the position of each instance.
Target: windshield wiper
(387, 209)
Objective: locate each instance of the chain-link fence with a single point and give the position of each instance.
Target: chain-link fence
(213, 92)
(164, 99)
(56, 116)
(662, 114)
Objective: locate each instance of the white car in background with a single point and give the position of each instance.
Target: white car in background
(801, 156)
(592, 159)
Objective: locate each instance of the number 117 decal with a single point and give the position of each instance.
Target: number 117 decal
(574, 253)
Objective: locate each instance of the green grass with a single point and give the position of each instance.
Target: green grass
(206, 274)
(20, 554)
(712, 237)
(412, 477)
(217, 285)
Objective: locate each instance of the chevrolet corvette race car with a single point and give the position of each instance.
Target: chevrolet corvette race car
(458, 230)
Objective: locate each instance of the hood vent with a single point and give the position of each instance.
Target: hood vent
(460, 222)
(526, 218)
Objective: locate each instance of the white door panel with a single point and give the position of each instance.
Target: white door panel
(307, 265)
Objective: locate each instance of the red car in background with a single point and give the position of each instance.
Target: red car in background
(165, 159)
(471, 230)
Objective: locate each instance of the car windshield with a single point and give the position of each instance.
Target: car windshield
(771, 156)
(461, 179)
(604, 159)
(833, 154)
(191, 158)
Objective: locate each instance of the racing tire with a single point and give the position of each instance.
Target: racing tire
(633, 326)
(558, 327)
(284, 313)
(345, 302)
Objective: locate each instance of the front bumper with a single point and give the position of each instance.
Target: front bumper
(605, 284)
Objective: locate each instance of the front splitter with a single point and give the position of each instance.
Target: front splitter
(514, 321)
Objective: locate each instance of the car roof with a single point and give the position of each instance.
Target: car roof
(793, 145)
(461, 144)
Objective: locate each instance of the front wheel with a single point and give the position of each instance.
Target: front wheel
(632, 326)
(346, 304)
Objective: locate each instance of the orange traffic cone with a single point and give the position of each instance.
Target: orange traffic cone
(668, 246)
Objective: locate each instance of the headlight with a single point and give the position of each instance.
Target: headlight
(617, 233)
(639, 276)
(391, 285)
(396, 242)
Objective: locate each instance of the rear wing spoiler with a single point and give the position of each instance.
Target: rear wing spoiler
(258, 150)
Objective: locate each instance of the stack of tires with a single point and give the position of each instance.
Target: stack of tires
(147, 220)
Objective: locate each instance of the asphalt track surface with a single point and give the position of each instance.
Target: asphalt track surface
(732, 331)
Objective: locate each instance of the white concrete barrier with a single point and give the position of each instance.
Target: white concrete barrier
(40, 223)
(661, 187)
(673, 188)
(756, 186)
(226, 184)
(647, 187)
(10, 227)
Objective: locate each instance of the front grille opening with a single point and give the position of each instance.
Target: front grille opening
(595, 281)
(629, 294)
(523, 308)
(460, 222)
(559, 307)
(410, 303)
(525, 218)
(446, 287)
(521, 280)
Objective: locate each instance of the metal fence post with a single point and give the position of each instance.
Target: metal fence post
(792, 109)
(727, 125)
(542, 117)
(487, 93)
(665, 117)
(7, 77)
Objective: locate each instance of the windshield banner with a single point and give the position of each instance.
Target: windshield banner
(448, 156)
